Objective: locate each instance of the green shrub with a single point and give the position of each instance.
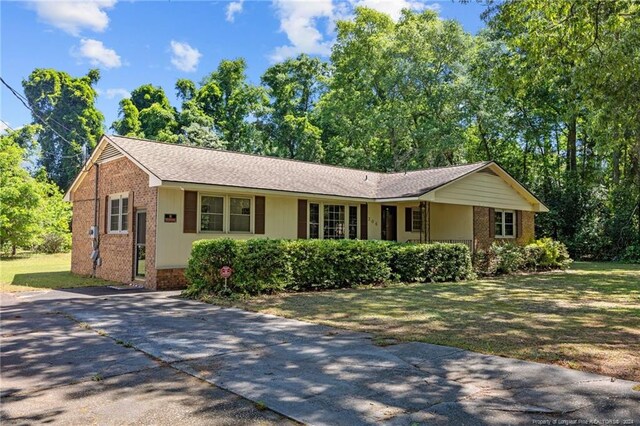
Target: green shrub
(509, 257)
(268, 266)
(447, 262)
(53, 242)
(631, 254)
(203, 269)
(485, 263)
(547, 253)
(325, 264)
(264, 266)
(408, 262)
(506, 258)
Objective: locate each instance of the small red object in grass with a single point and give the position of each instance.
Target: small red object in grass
(226, 271)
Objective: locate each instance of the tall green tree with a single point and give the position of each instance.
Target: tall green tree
(19, 198)
(234, 104)
(295, 86)
(148, 114)
(65, 107)
(393, 102)
(573, 69)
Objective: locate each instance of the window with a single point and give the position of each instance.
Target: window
(353, 222)
(211, 214)
(416, 219)
(240, 215)
(505, 226)
(314, 220)
(118, 213)
(332, 221)
(334, 224)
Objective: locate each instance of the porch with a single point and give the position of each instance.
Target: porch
(428, 222)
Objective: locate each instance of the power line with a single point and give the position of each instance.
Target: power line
(44, 122)
(7, 124)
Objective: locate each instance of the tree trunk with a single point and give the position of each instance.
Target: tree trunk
(616, 166)
(485, 142)
(572, 145)
(13, 249)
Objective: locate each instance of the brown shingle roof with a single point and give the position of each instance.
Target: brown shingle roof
(181, 163)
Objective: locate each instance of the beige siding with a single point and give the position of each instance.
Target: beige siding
(482, 189)
(174, 246)
(374, 212)
(403, 235)
(451, 222)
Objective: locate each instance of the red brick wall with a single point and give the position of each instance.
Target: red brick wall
(170, 279)
(482, 239)
(116, 250)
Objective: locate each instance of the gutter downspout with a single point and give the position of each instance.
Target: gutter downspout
(96, 237)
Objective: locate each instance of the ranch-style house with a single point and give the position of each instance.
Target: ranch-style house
(138, 206)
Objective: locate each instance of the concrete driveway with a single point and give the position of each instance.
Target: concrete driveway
(311, 373)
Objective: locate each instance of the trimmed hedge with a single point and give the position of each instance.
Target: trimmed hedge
(431, 262)
(506, 258)
(269, 266)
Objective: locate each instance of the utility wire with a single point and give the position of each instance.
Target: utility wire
(43, 121)
(7, 124)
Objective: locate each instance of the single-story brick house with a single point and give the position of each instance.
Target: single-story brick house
(138, 206)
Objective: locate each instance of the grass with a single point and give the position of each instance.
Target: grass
(586, 318)
(28, 272)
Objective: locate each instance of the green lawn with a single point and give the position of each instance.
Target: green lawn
(27, 272)
(586, 318)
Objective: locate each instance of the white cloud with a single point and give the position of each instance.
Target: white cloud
(97, 54)
(394, 8)
(113, 93)
(233, 9)
(299, 21)
(184, 57)
(3, 127)
(74, 16)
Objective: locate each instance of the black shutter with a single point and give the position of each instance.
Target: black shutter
(190, 213)
(492, 222)
(364, 222)
(407, 219)
(259, 215)
(302, 219)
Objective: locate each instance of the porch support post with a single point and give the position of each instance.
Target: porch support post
(424, 229)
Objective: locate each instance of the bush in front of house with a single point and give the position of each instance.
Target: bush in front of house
(261, 266)
(435, 262)
(327, 264)
(447, 262)
(269, 266)
(203, 269)
(507, 258)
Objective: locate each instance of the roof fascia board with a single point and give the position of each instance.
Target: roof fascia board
(104, 140)
(396, 199)
(68, 196)
(133, 160)
(537, 204)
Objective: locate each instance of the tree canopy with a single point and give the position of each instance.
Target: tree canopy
(550, 90)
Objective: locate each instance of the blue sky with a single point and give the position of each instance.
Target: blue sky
(138, 42)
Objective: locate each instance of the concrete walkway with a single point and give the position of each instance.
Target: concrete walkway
(321, 375)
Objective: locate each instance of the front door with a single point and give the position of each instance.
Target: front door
(389, 223)
(141, 240)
